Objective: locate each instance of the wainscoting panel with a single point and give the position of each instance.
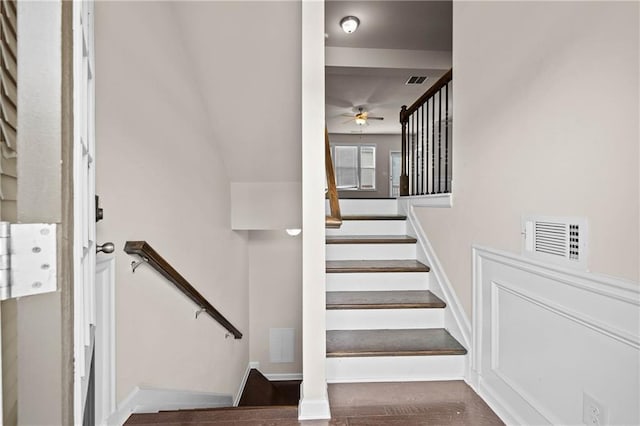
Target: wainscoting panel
(544, 337)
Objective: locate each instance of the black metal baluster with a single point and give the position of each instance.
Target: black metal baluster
(446, 139)
(433, 145)
(415, 156)
(439, 141)
(422, 153)
(426, 168)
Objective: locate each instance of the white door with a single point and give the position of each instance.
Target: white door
(395, 169)
(93, 306)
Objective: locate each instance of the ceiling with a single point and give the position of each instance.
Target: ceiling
(397, 25)
(415, 25)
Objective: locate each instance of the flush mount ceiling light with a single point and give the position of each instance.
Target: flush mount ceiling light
(349, 24)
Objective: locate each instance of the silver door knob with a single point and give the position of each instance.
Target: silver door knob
(105, 248)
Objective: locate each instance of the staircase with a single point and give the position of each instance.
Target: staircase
(383, 322)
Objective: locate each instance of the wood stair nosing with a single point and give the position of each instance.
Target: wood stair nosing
(370, 239)
(357, 266)
(406, 299)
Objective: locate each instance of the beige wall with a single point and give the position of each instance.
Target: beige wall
(275, 277)
(546, 111)
(161, 178)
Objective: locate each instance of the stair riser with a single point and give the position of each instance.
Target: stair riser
(378, 281)
(395, 368)
(373, 319)
(370, 227)
(370, 251)
(368, 207)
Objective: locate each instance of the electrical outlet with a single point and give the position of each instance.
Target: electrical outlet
(594, 413)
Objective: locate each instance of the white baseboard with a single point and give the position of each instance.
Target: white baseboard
(147, 400)
(495, 403)
(277, 377)
(243, 382)
(313, 409)
(456, 320)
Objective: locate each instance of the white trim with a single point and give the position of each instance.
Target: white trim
(435, 200)
(604, 285)
(106, 345)
(313, 409)
(147, 400)
(456, 320)
(494, 401)
(243, 382)
(391, 152)
(279, 377)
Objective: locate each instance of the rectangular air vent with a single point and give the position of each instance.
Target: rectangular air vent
(560, 240)
(416, 80)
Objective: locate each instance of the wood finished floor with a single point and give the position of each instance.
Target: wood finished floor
(355, 404)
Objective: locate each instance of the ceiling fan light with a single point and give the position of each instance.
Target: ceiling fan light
(360, 121)
(349, 24)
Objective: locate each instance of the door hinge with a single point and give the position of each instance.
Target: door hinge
(27, 259)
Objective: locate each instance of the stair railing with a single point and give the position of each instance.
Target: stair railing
(426, 141)
(157, 262)
(334, 220)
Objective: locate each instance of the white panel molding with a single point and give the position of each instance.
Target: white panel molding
(456, 320)
(587, 318)
(105, 356)
(243, 381)
(148, 400)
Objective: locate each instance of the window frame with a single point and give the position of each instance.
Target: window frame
(359, 166)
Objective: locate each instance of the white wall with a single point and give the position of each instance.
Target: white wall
(275, 280)
(546, 109)
(161, 178)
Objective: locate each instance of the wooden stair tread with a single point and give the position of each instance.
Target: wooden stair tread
(371, 239)
(404, 265)
(374, 217)
(409, 299)
(404, 342)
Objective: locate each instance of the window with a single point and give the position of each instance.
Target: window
(355, 167)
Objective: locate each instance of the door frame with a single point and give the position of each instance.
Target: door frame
(391, 152)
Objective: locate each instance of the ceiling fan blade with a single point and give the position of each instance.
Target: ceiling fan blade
(346, 115)
(349, 121)
(375, 118)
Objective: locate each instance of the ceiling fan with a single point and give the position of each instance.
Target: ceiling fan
(361, 117)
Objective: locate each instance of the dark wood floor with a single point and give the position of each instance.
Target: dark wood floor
(401, 404)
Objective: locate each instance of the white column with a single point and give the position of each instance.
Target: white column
(314, 403)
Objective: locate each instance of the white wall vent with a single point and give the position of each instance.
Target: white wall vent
(560, 240)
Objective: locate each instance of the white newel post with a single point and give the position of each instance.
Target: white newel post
(314, 403)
